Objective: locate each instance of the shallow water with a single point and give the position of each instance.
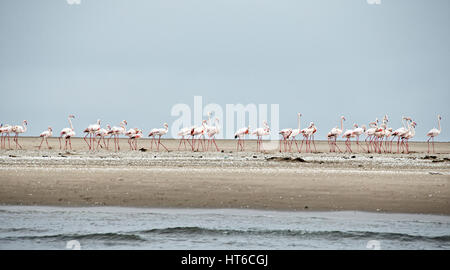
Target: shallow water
(38, 227)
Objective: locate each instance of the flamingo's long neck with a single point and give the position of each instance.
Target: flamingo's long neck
(439, 124)
(342, 124)
(70, 123)
(298, 120)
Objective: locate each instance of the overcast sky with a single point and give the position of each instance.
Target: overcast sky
(134, 60)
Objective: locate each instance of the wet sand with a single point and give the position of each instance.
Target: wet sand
(407, 183)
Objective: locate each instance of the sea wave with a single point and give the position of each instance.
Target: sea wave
(90, 236)
(297, 233)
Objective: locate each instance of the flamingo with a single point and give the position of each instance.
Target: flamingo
(259, 133)
(90, 130)
(433, 133)
(198, 131)
(67, 133)
(133, 139)
(295, 133)
(6, 130)
(184, 132)
(45, 135)
(240, 135)
(358, 131)
(159, 132)
(387, 135)
(370, 133)
(409, 135)
(309, 133)
(130, 134)
(116, 132)
(400, 132)
(102, 133)
(334, 134)
(348, 134)
(378, 138)
(212, 132)
(285, 133)
(18, 130)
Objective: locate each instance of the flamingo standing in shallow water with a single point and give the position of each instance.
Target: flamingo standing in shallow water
(67, 133)
(90, 130)
(240, 135)
(433, 133)
(159, 132)
(45, 135)
(18, 130)
(259, 133)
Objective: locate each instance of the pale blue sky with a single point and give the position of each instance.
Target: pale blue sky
(133, 60)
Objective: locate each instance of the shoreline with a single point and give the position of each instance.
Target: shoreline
(382, 183)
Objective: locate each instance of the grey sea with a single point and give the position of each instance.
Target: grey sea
(38, 227)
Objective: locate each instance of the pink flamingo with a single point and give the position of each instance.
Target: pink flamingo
(45, 135)
(159, 132)
(102, 133)
(400, 132)
(285, 133)
(295, 133)
(18, 130)
(67, 133)
(358, 131)
(240, 135)
(212, 132)
(184, 132)
(348, 134)
(131, 134)
(259, 133)
(115, 132)
(90, 130)
(308, 135)
(387, 135)
(6, 130)
(133, 139)
(433, 133)
(409, 135)
(334, 134)
(200, 132)
(370, 133)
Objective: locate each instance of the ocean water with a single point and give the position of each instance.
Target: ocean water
(37, 227)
